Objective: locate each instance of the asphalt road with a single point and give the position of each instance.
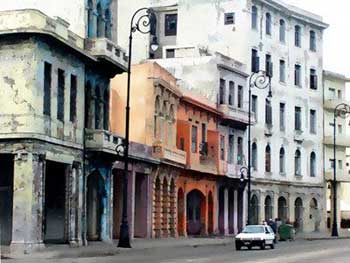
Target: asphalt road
(287, 252)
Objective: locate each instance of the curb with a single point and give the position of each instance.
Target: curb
(324, 238)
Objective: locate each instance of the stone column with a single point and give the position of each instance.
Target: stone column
(245, 208)
(275, 205)
(27, 228)
(80, 208)
(226, 230)
(131, 202)
(262, 208)
(291, 208)
(235, 211)
(72, 200)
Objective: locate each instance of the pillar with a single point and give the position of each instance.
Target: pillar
(262, 216)
(28, 195)
(291, 208)
(235, 211)
(275, 205)
(338, 206)
(226, 230)
(245, 208)
(131, 202)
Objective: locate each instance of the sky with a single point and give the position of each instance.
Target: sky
(336, 13)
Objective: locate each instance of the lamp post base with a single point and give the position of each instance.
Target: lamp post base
(334, 230)
(124, 239)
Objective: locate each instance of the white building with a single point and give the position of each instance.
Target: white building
(287, 139)
(334, 86)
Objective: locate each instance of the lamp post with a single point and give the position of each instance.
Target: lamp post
(260, 80)
(341, 110)
(144, 21)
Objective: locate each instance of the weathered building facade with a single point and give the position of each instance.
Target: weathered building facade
(51, 74)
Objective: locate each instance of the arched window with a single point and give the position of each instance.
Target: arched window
(90, 19)
(108, 24)
(254, 156)
(297, 163)
(297, 38)
(312, 164)
(99, 21)
(254, 17)
(268, 24)
(282, 31)
(282, 161)
(88, 106)
(268, 208)
(97, 108)
(268, 113)
(312, 40)
(268, 159)
(106, 110)
(156, 118)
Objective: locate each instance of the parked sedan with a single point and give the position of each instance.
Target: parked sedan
(255, 236)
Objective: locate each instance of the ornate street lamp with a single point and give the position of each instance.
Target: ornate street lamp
(341, 110)
(143, 21)
(260, 80)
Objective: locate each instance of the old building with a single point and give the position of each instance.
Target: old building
(334, 88)
(287, 138)
(56, 149)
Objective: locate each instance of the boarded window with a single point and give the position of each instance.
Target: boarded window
(231, 96)
(170, 24)
(268, 159)
(73, 98)
(240, 97)
(230, 148)
(255, 61)
(297, 75)
(282, 71)
(229, 18)
(222, 94)
(254, 156)
(268, 65)
(313, 79)
(240, 150)
(282, 116)
(312, 40)
(297, 163)
(313, 164)
(297, 118)
(297, 38)
(282, 161)
(268, 25)
(313, 121)
(60, 95)
(222, 148)
(47, 88)
(268, 113)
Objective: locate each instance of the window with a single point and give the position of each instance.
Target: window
(282, 116)
(240, 150)
(254, 17)
(106, 111)
(108, 24)
(297, 163)
(255, 105)
(282, 161)
(230, 149)
(282, 71)
(222, 94)
(297, 118)
(313, 121)
(194, 139)
(268, 24)
(268, 159)
(268, 65)
(182, 144)
(313, 79)
(170, 53)
(240, 97)
(90, 17)
(340, 164)
(170, 24)
(297, 38)
(312, 40)
(255, 61)
(222, 148)
(331, 92)
(340, 129)
(229, 18)
(297, 75)
(254, 156)
(73, 98)
(47, 89)
(313, 164)
(97, 108)
(268, 113)
(231, 95)
(282, 31)
(99, 21)
(331, 163)
(60, 95)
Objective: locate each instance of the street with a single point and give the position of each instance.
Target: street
(285, 252)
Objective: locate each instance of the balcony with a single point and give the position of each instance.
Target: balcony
(108, 52)
(207, 164)
(169, 154)
(330, 104)
(237, 115)
(233, 170)
(342, 175)
(298, 136)
(101, 141)
(341, 140)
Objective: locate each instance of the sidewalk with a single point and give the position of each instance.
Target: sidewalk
(100, 249)
(343, 234)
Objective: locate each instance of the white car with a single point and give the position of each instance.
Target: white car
(255, 235)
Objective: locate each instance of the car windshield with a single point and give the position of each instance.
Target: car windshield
(253, 229)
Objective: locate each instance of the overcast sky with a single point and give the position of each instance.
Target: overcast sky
(336, 13)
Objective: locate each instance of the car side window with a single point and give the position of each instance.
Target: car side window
(267, 231)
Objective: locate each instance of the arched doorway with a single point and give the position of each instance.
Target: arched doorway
(254, 203)
(180, 212)
(196, 211)
(314, 215)
(282, 209)
(95, 193)
(210, 213)
(298, 212)
(268, 208)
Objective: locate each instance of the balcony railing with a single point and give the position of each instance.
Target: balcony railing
(236, 114)
(102, 141)
(233, 170)
(166, 153)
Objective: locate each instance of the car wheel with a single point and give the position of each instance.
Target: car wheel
(238, 247)
(272, 246)
(262, 246)
(250, 247)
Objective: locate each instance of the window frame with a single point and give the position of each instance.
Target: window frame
(168, 31)
(229, 18)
